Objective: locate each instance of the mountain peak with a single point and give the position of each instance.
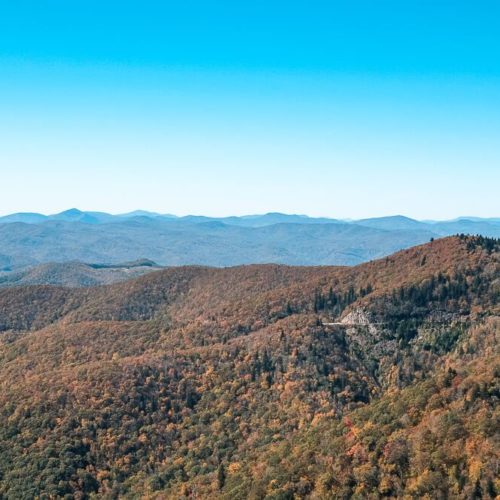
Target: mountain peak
(71, 212)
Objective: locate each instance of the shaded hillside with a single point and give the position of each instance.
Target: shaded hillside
(258, 381)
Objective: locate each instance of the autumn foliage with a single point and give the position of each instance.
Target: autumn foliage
(264, 381)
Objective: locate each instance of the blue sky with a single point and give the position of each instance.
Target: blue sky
(343, 109)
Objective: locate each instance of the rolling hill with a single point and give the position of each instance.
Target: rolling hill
(76, 274)
(259, 381)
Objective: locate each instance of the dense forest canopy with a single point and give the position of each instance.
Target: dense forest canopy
(261, 381)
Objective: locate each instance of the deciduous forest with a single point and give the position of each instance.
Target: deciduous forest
(261, 381)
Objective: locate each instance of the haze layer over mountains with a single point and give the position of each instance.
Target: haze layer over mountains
(31, 239)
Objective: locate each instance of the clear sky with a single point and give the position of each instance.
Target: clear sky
(338, 108)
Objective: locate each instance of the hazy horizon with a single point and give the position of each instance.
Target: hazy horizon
(211, 215)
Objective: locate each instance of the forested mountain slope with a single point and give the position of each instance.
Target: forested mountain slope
(261, 381)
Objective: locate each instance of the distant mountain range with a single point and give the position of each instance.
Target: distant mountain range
(390, 222)
(30, 239)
